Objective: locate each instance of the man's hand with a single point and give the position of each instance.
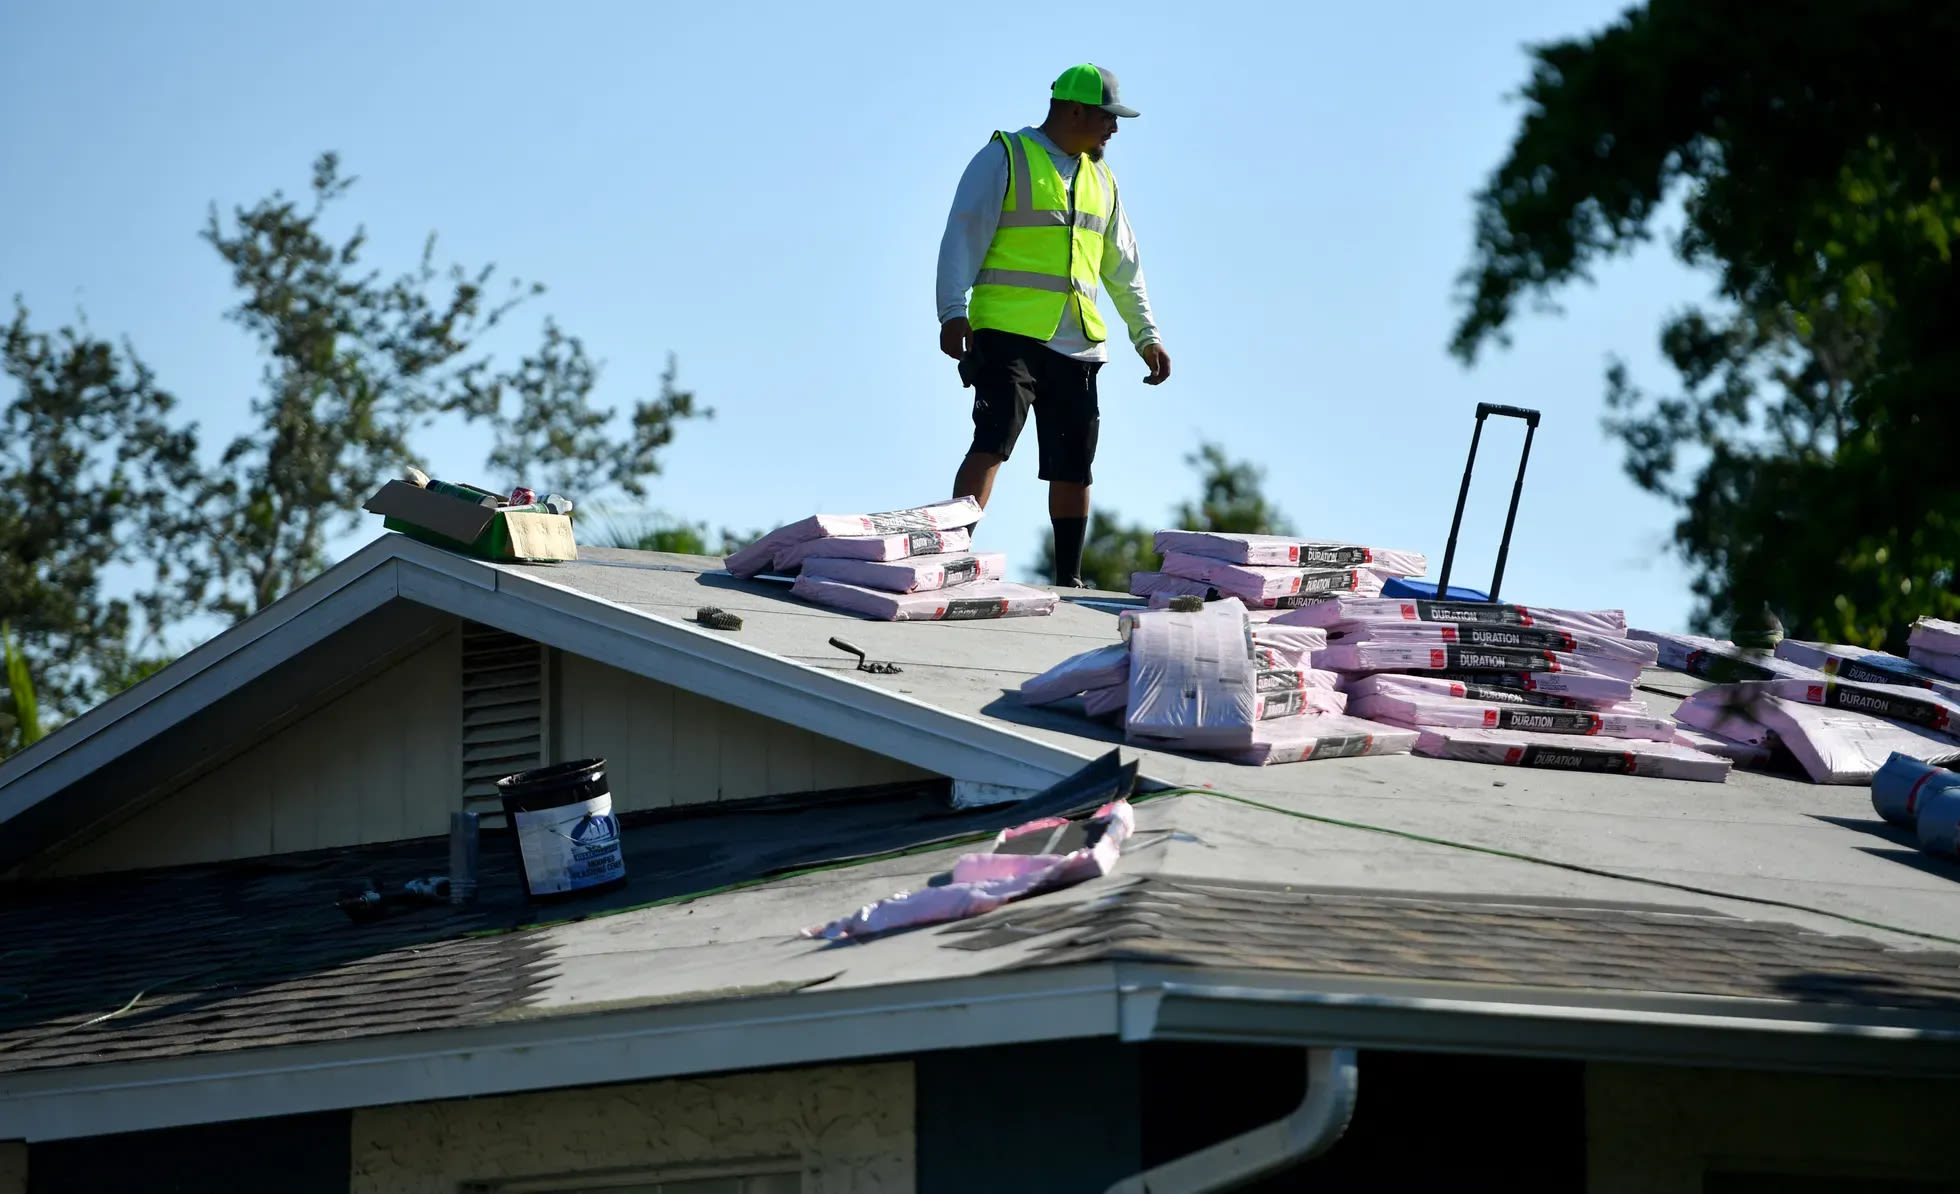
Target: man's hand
(1153, 355)
(956, 337)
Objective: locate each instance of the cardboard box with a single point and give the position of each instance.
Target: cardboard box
(472, 529)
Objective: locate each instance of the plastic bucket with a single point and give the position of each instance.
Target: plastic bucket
(562, 822)
(1939, 822)
(1903, 784)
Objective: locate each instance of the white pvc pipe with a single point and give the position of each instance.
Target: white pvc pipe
(1309, 1130)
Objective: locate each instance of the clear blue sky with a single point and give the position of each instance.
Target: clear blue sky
(761, 190)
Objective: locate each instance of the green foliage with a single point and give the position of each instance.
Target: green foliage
(20, 723)
(558, 442)
(356, 363)
(1231, 497)
(100, 481)
(1808, 448)
(657, 532)
(115, 530)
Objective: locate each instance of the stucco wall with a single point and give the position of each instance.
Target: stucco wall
(1658, 1130)
(380, 763)
(665, 746)
(13, 1167)
(850, 1127)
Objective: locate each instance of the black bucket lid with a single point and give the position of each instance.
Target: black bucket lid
(556, 778)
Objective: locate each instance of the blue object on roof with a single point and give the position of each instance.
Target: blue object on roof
(1426, 591)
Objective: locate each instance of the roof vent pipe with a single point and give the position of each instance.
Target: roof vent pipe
(1309, 1130)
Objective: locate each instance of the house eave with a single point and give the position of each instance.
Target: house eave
(395, 568)
(1133, 1002)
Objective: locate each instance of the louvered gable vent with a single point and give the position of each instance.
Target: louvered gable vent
(503, 711)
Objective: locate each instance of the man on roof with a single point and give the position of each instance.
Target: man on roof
(1037, 228)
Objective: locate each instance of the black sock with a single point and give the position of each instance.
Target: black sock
(1068, 549)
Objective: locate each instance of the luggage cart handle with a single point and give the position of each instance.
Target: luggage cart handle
(1484, 411)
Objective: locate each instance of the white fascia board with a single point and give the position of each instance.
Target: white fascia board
(760, 1032)
(350, 590)
(1133, 1003)
(1161, 1004)
(722, 669)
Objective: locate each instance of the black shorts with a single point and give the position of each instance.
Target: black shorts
(1011, 373)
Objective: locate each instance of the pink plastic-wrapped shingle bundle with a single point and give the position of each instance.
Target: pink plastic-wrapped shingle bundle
(915, 574)
(1419, 657)
(1098, 668)
(1399, 684)
(1344, 609)
(1254, 583)
(1161, 587)
(1948, 666)
(1861, 665)
(1106, 701)
(1288, 552)
(1934, 644)
(1717, 660)
(1935, 634)
(1195, 684)
(1282, 694)
(1307, 739)
(1191, 677)
(1476, 634)
(981, 599)
(874, 547)
(1834, 745)
(1410, 710)
(1624, 756)
(1592, 691)
(1287, 649)
(1895, 702)
(760, 556)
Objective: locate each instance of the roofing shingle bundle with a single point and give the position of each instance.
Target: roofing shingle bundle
(1839, 712)
(1863, 665)
(871, 547)
(961, 603)
(1267, 571)
(1720, 661)
(1382, 698)
(1608, 622)
(1934, 644)
(1215, 681)
(1517, 748)
(1508, 684)
(1840, 732)
(773, 551)
(912, 574)
(902, 565)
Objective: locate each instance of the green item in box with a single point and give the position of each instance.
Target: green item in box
(461, 525)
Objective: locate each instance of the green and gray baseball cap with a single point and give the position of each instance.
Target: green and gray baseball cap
(1091, 84)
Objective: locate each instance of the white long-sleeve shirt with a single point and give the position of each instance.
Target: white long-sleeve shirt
(970, 230)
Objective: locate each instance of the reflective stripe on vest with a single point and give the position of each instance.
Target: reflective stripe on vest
(1047, 250)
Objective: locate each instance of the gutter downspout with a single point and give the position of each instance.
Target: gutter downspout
(1307, 1131)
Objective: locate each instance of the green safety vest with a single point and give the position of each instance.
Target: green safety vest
(1047, 251)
